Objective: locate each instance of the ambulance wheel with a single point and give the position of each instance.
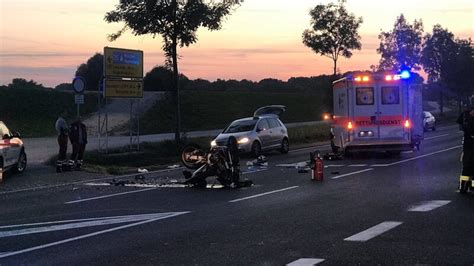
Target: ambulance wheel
(464, 186)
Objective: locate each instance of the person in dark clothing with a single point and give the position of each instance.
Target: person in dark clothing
(78, 137)
(466, 123)
(62, 130)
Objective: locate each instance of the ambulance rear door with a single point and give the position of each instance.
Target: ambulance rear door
(365, 111)
(391, 112)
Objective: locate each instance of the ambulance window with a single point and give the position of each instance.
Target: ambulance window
(365, 96)
(390, 95)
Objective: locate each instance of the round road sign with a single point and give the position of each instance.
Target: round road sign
(78, 84)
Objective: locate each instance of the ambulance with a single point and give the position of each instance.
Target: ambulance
(377, 112)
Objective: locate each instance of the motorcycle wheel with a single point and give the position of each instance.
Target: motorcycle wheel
(193, 156)
(464, 186)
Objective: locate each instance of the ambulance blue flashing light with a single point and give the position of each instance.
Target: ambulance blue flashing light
(405, 74)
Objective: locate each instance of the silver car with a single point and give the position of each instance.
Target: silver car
(429, 121)
(262, 132)
(12, 151)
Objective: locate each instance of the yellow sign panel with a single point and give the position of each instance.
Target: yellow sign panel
(123, 63)
(124, 88)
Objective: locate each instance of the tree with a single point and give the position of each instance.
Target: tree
(176, 21)
(333, 31)
(401, 47)
(92, 71)
(439, 50)
(459, 75)
(160, 79)
(21, 83)
(64, 87)
(438, 54)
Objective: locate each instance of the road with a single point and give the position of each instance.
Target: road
(371, 209)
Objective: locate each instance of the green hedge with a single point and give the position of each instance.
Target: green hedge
(33, 112)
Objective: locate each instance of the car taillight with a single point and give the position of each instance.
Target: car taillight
(349, 126)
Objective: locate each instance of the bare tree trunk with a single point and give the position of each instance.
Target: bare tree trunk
(335, 69)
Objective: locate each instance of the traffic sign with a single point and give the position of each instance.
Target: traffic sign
(79, 98)
(78, 84)
(123, 63)
(123, 88)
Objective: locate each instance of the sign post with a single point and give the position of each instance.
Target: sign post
(78, 84)
(123, 79)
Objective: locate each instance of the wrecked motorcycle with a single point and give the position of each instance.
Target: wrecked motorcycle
(220, 161)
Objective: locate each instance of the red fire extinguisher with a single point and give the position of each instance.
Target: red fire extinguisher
(318, 166)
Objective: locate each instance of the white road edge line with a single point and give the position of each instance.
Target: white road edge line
(252, 172)
(305, 262)
(424, 155)
(438, 136)
(310, 148)
(8, 254)
(108, 196)
(427, 206)
(353, 173)
(374, 231)
(263, 194)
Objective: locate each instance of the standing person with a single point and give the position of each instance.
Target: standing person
(62, 130)
(78, 137)
(466, 122)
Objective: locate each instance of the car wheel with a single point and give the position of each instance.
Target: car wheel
(1, 169)
(21, 164)
(285, 146)
(256, 148)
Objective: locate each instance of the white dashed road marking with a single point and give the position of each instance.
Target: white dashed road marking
(263, 194)
(353, 173)
(357, 165)
(373, 231)
(435, 137)
(428, 205)
(305, 262)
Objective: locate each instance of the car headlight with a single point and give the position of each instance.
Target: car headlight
(213, 143)
(243, 140)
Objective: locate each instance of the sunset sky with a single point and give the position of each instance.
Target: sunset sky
(45, 40)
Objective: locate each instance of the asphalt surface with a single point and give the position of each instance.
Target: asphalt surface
(370, 209)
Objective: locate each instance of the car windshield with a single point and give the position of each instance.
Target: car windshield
(241, 126)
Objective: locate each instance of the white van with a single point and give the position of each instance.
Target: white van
(381, 112)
